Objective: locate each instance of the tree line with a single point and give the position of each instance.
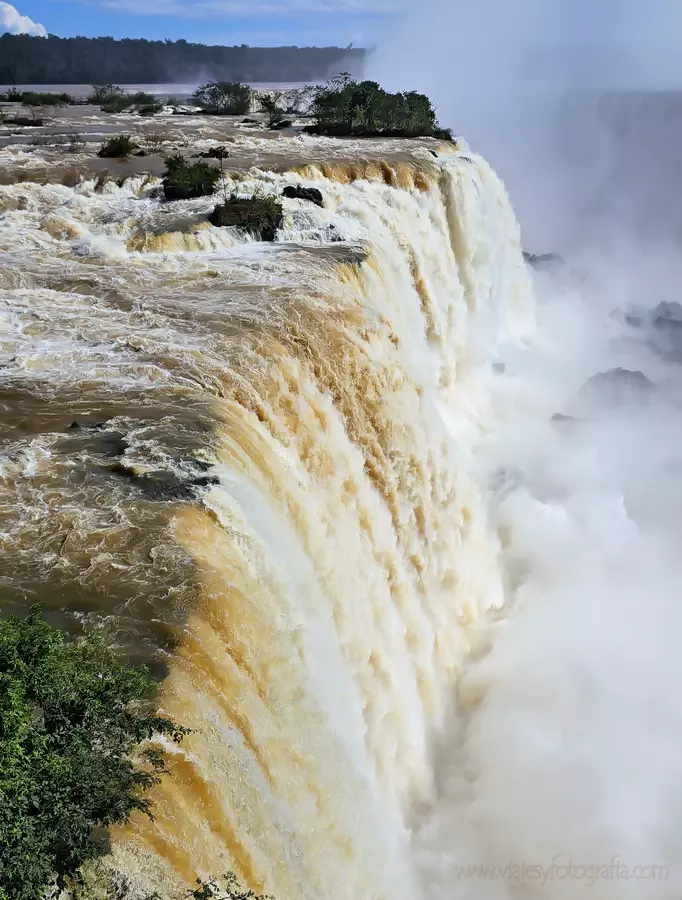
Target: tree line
(79, 60)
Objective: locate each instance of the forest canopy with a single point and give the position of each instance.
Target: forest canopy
(54, 60)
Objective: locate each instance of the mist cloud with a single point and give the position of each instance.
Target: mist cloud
(522, 81)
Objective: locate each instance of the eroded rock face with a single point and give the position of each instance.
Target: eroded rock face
(298, 192)
(263, 217)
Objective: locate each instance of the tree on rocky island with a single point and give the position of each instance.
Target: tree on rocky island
(270, 102)
(225, 98)
(75, 723)
(347, 107)
(105, 93)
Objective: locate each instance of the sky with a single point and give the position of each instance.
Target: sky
(229, 22)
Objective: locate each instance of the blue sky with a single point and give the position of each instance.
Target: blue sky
(255, 22)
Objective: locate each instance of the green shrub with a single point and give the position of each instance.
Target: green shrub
(270, 103)
(225, 98)
(262, 216)
(117, 103)
(184, 181)
(104, 93)
(73, 722)
(364, 108)
(116, 147)
(150, 109)
(34, 98)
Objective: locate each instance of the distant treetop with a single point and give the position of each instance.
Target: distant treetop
(54, 60)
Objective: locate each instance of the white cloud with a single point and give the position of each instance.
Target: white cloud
(11, 20)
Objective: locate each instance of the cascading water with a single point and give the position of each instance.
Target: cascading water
(401, 547)
(258, 464)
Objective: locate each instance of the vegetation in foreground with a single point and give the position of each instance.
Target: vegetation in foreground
(186, 181)
(228, 888)
(118, 147)
(73, 762)
(344, 107)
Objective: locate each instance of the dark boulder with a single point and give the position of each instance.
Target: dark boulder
(668, 316)
(617, 386)
(258, 215)
(298, 192)
(543, 260)
(285, 123)
(164, 485)
(215, 153)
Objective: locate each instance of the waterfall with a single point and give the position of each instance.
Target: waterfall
(259, 468)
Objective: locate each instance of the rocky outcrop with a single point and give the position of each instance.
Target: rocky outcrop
(298, 192)
(262, 216)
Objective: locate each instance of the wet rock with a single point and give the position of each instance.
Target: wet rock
(95, 426)
(285, 123)
(215, 153)
(618, 385)
(205, 481)
(140, 153)
(668, 316)
(113, 444)
(164, 485)
(543, 260)
(298, 192)
(261, 216)
(201, 465)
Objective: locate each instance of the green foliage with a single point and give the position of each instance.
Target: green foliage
(73, 722)
(185, 181)
(120, 102)
(270, 103)
(150, 109)
(226, 98)
(230, 890)
(116, 147)
(227, 889)
(35, 98)
(347, 107)
(105, 93)
(261, 215)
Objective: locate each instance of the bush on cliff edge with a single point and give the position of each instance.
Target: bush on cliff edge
(73, 723)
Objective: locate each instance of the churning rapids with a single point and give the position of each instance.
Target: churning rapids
(403, 563)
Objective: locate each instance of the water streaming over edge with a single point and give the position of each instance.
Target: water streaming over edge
(255, 467)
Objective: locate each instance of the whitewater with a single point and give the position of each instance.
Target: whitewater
(405, 566)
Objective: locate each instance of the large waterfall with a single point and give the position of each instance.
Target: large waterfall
(317, 549)
(384, 550)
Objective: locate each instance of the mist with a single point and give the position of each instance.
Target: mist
(560, 769)
(524, 84)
